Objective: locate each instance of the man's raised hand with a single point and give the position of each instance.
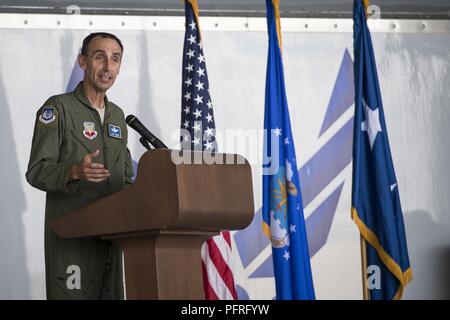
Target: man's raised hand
(89, 170)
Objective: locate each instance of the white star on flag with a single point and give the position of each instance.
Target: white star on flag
(197, 113)
(371, 124)
(201, 72)
(209, 131)
(196, 141)
(208, 145)
(198, 99)
(196, 126)
(190, 54)
(277, 131)
(199, 85)
(286, 255)
(191, 39)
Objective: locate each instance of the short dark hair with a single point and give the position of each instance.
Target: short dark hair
(89, 38)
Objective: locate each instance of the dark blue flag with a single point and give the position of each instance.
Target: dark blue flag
(375, 196)
(75, 77)
(282, 211)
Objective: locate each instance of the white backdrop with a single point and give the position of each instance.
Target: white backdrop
(413, 69)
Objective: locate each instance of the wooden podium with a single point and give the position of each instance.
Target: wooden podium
(162, 220)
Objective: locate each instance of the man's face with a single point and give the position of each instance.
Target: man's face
(102, 63)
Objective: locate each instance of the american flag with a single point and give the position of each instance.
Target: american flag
(198, 133)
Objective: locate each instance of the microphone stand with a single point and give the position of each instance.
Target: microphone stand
(145, 143)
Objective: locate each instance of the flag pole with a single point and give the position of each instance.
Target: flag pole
(363, 244)
(362, 241)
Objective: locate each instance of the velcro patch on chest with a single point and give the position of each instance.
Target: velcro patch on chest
(48, 115)
(114, 131)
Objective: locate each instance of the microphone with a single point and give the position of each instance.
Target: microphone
(134, 123)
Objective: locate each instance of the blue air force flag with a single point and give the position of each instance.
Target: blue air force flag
(282, 211)
(376, 206)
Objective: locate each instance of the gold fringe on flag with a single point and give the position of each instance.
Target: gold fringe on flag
(195, 7)
(277, 20)
(366, 5)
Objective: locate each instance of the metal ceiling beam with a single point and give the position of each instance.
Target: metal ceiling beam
(418, 9)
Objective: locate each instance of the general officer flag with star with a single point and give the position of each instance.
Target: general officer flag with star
(376, 206)
(283, 220)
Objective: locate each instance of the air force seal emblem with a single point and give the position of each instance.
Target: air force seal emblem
(48, 115)
(89, 130)
(114, 131)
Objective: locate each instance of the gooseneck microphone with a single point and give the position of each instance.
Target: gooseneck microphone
(134, 123)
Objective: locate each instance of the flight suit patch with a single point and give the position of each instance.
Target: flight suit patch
(89, 130)
(114, 131)
(48, 115)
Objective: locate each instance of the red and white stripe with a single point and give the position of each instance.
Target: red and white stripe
(218, 279)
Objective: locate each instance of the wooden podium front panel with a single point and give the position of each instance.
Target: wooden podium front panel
(179, 268)
(163, 266)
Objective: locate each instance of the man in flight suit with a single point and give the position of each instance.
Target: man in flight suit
(79, 154)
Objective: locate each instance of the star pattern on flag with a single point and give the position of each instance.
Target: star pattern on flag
(277, 131)
(292, 228)
(197, 116)
(372, 123)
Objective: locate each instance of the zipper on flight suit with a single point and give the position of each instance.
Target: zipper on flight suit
(105, 161)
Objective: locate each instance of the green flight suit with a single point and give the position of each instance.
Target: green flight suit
(68, 128)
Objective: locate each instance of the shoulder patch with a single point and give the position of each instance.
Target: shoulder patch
(48, 115)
